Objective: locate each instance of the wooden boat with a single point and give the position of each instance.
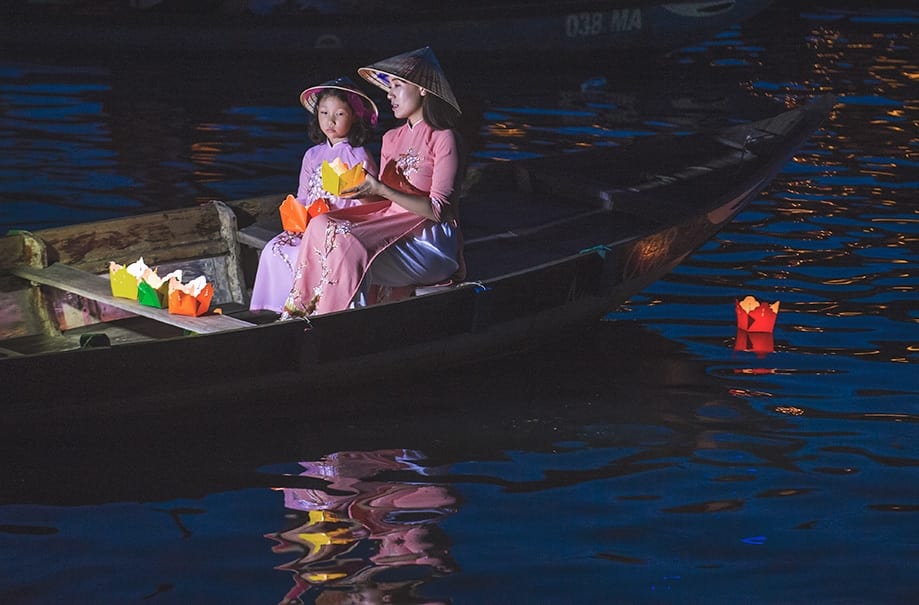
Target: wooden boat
(376, 28)
(552, 245)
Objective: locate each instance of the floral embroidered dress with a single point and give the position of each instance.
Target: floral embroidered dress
(276, 262)
(377, 251)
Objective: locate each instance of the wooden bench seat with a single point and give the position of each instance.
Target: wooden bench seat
(256, 235)
(97, 287)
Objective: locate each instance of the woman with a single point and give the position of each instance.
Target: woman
(406, 233)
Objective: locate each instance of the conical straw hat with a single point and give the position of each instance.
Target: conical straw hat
(362, 105)
(420, 67)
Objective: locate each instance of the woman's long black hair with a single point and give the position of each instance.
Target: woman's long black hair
(438, 113)
(443, 116)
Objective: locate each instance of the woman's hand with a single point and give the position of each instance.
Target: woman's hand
(370, 187)
(372, 190)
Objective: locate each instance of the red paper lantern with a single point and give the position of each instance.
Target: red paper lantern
(760, 343)
(755, 316)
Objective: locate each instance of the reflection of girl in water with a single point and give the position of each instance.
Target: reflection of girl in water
(356, 527)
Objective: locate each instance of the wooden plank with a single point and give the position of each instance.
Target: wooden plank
(97, 287)
(232, 269)
(257, 209)
(27, 311)
(159, 237)
(19, 248)
(256, 235)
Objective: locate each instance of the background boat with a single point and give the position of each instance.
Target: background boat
(372, 30)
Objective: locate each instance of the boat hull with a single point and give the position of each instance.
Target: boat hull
(294, 360)
(638, 234)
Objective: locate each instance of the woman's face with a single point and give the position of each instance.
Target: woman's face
(406, 100)
(335, 118)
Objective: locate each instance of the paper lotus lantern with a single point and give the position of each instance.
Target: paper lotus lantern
(760, 343)
(338, 177)
(153, 290)
(756, 316)
(124, 284)
(193, 298)
(127, 279)
(295, 216)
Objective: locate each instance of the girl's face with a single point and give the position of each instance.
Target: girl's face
(335, 118)
(406, 100)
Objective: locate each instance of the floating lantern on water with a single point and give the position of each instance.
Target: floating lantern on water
(760, 343)
(756, 316)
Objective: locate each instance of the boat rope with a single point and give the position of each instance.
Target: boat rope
(479, 286)
(734, 158)
(309, 324)
(602, 250)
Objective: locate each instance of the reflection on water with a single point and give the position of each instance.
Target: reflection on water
(622, 467)
(361, 539)
(760, 343)
(86, 143)
(664, 459)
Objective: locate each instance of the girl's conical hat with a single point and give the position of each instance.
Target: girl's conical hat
(362, 105)
(420, 67)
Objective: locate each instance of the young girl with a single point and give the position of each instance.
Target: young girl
(342, 123)
(380, 250)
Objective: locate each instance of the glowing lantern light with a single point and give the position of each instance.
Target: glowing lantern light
(760, 343)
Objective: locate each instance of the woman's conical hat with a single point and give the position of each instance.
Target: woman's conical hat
(420, 67)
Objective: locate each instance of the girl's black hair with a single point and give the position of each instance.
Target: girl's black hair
(361, 131)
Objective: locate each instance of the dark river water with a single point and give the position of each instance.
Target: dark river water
(659, 460)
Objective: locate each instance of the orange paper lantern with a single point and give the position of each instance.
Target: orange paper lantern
(295, 216)
(320, 206)
(185, 299)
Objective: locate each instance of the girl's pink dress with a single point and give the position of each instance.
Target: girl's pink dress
(276, 262)
(339, 247)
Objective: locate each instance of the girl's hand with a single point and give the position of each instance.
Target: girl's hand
(370, 187)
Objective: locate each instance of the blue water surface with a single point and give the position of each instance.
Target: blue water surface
(662, 458)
